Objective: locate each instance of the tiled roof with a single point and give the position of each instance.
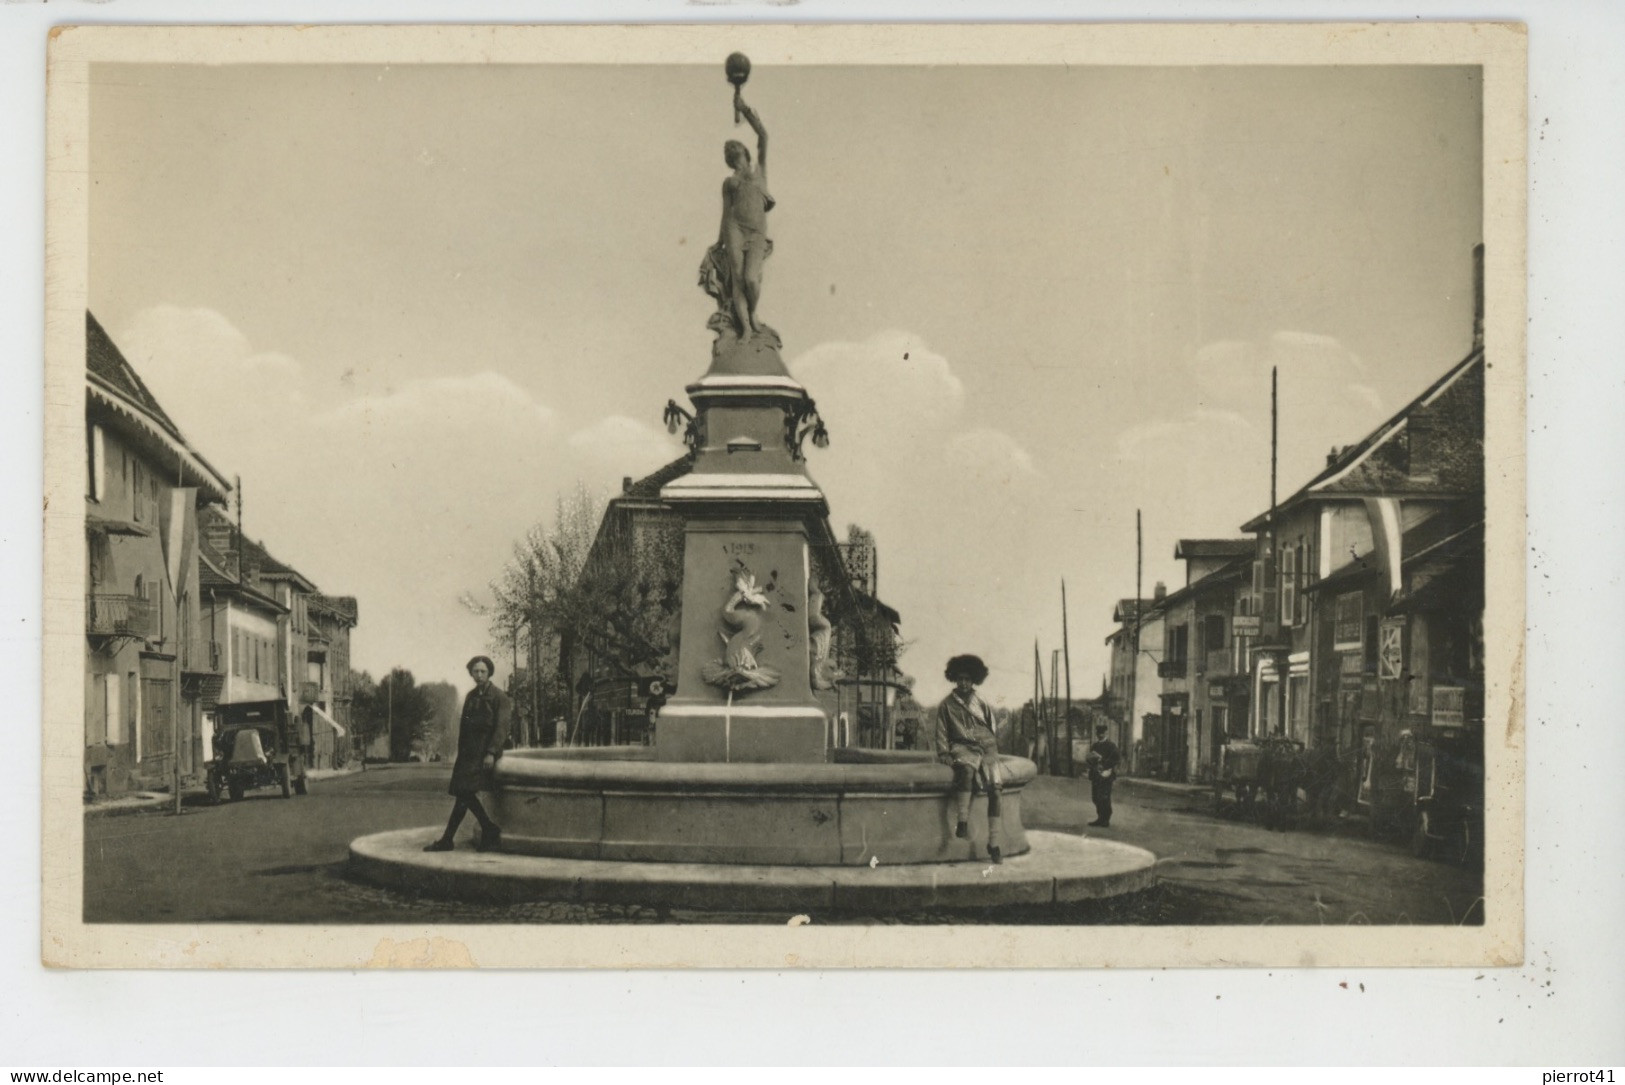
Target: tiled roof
(649, 486)
(1214, 548)
(1124, 611)
(340, 606)
(116, 393)
(1379, 464)
(1235, 569)
(213, 577)
(104, 359)
(254, 554)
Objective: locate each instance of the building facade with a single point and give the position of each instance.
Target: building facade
(1200, 694)
(279, 639)
(1134, 688)
(149, 673)
(1372, 587)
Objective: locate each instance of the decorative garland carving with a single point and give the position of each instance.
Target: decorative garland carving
(801, 421)
(692, 435)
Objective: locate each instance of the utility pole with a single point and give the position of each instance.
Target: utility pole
(1283, 666)
(1038, 698)
(176, 525)
(533, 657)
(1054, 704)
(1134, 638)
(1066, 655)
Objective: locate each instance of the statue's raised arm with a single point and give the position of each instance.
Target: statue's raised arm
(755, 122)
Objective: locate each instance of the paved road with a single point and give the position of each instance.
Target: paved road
(272, 860)
(1221, 870)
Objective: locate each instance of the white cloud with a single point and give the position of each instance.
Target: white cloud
(1324, 396)
(161, 338)
(952, 501)
(621, 446)
(404, 497)
(1237, 371)
(891, 380)
(991, 454)
(478, 399)
(201, 367)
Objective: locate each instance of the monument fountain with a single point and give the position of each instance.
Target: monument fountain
(742, 803)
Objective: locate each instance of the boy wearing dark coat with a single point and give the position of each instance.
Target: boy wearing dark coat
(487, 713)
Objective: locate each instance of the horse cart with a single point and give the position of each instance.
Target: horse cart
(1271, 777)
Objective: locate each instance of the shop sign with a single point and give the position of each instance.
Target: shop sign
(1391, 657)
(1449, 706)
(1246, 625)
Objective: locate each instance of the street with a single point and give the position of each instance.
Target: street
(272, 860)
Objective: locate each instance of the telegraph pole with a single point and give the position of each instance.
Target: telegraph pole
(1284, 657)
(1054, 704)
(1134, 638)
(1038, 697)
(1066, 656)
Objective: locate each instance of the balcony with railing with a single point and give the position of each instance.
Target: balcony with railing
(111, 614)
(1173, 668)
(1216, 664)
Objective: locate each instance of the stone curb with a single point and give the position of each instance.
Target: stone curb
(1059, 868)
(132, 805)
(1167, 785)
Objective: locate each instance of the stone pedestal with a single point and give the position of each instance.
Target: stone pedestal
(743, 688)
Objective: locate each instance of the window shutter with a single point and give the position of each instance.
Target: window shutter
(1269, 607)
(112, 710)
(1289, 587)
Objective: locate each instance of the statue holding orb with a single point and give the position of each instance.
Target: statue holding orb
(732, 270)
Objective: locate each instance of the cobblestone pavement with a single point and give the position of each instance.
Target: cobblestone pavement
(272, 860)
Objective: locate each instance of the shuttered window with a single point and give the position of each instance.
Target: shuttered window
(1289, 586)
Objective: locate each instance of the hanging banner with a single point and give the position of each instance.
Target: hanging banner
(177, 524)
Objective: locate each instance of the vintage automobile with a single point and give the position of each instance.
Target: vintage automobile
(1443, 778)
(259, 744)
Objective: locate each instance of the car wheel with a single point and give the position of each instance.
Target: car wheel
(301, 786)
(235, 789)
(1461, 844)
(285, 780)
(1421, 842)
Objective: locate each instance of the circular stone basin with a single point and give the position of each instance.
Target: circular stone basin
(1057, 869)
(864, 807)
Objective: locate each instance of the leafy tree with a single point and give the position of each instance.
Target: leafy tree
(367, 723)
(573, 585)
(445, 714)
(396, 707)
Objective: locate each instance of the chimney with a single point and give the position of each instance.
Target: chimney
(1331, 457)
(1419, 446)
(1478, 296)
(1160, 592)
(626, 484)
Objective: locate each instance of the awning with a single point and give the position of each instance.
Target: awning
(337, 727)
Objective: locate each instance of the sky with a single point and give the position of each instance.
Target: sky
(411, 305)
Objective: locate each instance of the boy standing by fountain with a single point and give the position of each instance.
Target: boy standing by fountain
(967, 741)
(481, 735)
